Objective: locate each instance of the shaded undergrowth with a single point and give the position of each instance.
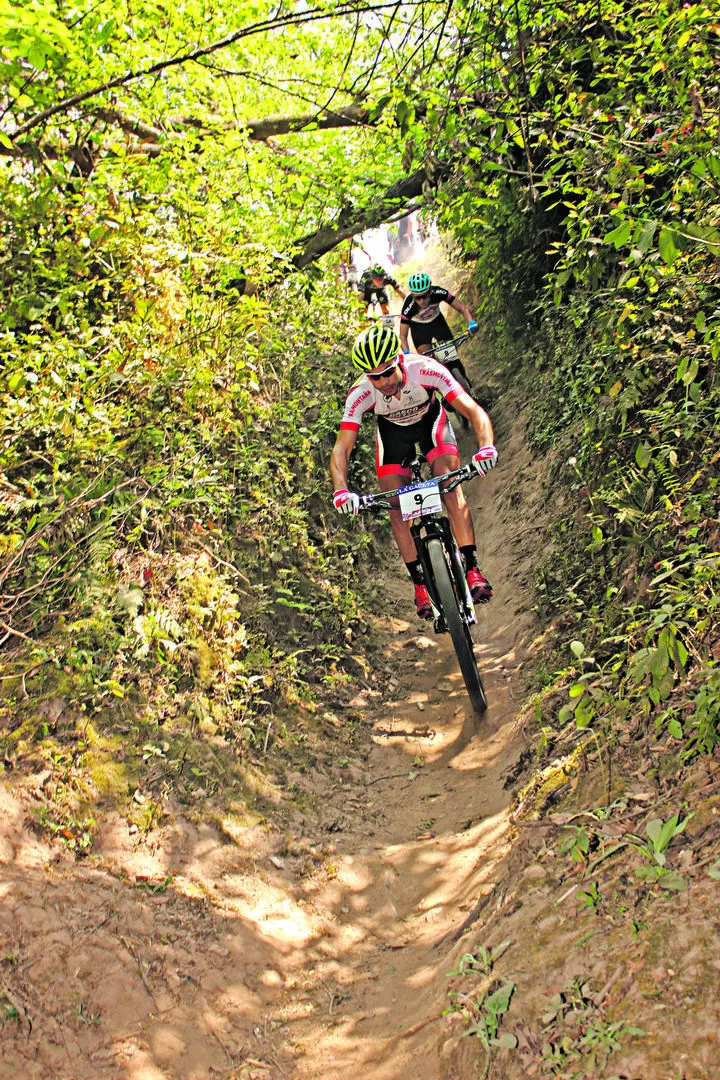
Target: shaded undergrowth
(176, 601)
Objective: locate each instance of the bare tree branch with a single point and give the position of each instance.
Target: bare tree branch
(347, 116)
(153, 137)
(395, 202)
(258, 130)
(130, 124)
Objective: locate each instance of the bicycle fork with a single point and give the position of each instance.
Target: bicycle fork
(440, 530)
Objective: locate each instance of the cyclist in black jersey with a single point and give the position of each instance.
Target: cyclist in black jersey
(374, 282)
(407, 395)
(422, 315)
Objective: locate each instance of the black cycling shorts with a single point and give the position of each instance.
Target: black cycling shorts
(397, 442)
(381, 295)
(424, 332)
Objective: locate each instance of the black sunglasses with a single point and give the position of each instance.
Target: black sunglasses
(382, 374)
(421, 295)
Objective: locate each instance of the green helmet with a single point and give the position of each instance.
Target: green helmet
(419, 283)
(377, 346)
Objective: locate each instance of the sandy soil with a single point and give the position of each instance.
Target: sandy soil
(307, 955)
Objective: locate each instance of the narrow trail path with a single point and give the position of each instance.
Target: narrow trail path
(424, 837)
(234, 951)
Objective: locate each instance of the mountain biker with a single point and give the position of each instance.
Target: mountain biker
(402, 392)
(374, 281)
(421, 313)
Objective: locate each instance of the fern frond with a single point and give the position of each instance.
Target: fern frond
(671, 481)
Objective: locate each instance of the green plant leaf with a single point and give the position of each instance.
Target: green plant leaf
(667, 246)
(620, 235)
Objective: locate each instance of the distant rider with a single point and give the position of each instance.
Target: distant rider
(374, 282)
(402, 392)
(358, 260)
(421, 313)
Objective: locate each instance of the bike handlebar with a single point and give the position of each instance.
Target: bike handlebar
(452, 341)
(371, 503)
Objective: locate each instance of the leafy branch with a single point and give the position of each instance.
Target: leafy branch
(265, 26)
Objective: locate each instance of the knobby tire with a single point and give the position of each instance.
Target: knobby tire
(459, 377)
(457, 625)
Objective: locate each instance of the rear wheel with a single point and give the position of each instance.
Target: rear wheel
(457, 624)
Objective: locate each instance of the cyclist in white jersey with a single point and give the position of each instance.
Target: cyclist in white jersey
(407, 395)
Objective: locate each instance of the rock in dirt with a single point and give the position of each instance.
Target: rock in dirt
(420, 643)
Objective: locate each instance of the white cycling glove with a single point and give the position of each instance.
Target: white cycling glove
(485, 459)
(346, 502)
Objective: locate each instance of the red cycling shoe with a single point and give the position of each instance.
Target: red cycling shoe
(422, 602)
(480, 587)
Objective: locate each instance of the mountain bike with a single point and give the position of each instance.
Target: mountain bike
(420, 503)
(374, 306)
(446, 353)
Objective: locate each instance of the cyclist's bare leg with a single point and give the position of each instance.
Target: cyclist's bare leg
(400, 528)
(456, 503)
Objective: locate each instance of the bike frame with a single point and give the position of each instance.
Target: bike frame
(454, 365)
(429, 527)
(370, 312)
(384, 320)
(421, 504)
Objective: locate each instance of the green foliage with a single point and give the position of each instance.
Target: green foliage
(167, 544)
(576, 842)
(659, 835)
(578, 1040)
(581, 182)
(484, 1005)
(166, 432)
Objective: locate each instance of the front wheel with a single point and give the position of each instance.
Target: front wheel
(464, 382)
(459, 377)
(457, 624)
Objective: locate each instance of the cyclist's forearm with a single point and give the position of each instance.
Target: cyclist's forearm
(481, 424)
(339, 464)
(463, 309)
(482, 427)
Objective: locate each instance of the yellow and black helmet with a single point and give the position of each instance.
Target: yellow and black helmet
(377, 346)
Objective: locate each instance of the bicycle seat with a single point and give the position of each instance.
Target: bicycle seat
(412, 459)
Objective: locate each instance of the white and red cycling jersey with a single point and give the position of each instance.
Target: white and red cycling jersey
(422, 379)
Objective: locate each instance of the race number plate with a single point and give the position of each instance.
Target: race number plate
(418, 500)
(445, 353)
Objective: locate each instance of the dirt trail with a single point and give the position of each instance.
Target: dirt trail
(436, 801)
(301, 956)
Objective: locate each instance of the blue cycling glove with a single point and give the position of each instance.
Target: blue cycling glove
(472, 327)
